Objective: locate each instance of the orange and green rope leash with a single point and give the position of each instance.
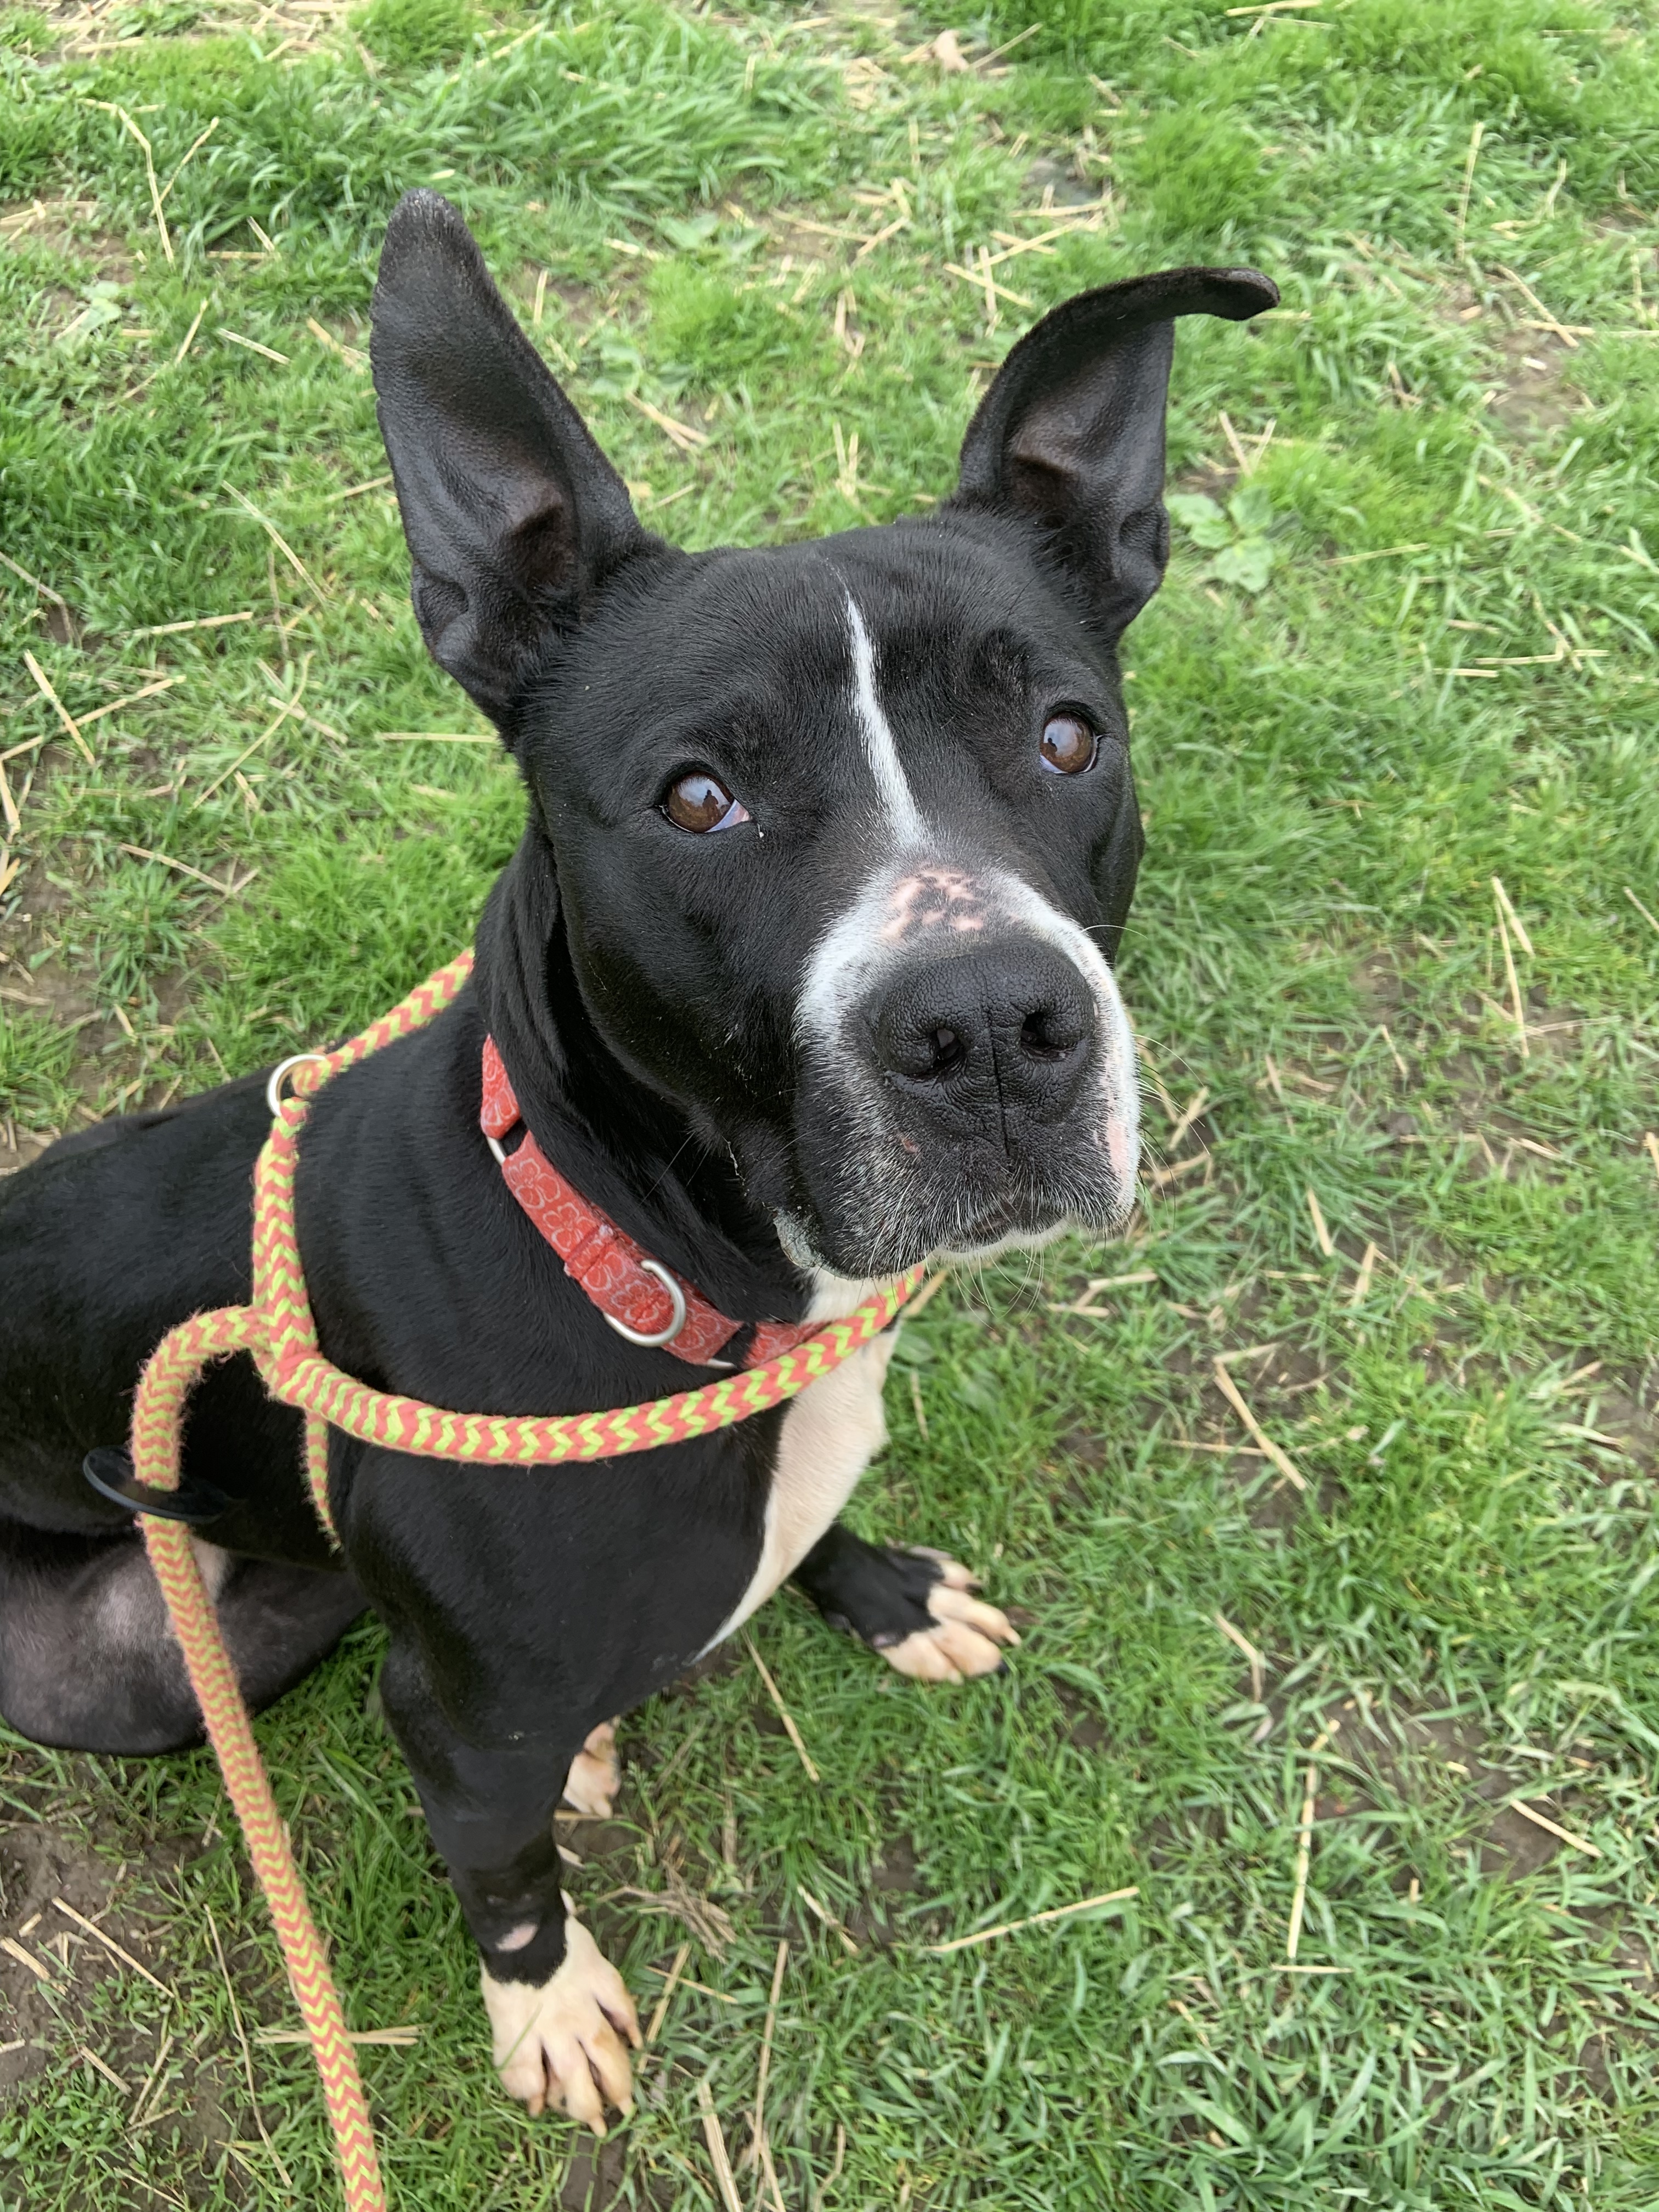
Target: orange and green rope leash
(278, 1329)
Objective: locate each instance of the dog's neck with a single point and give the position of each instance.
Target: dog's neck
(627, 1150)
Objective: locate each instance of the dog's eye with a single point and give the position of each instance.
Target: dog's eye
(697, 802)
(1068, 745)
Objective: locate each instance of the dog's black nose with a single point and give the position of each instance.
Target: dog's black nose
(1001, 1032)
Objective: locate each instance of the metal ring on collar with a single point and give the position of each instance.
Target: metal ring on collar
(273, 1088)
(662, 1335)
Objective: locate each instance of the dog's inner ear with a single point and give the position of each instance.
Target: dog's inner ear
(1085, 460)
(514, 516)
(1070, 436)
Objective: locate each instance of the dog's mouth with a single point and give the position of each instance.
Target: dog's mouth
(1021, 1218)
(884, 1220)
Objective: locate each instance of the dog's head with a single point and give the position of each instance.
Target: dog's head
(844, 833)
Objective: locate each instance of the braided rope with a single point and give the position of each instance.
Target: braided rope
(276, 1327)
(218, 1692)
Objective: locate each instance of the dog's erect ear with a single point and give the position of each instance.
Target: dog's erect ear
(514, 516)
(1071, 434)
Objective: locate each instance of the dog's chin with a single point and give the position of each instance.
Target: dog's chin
(1019, 1221)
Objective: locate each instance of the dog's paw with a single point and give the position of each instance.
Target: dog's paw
(562, 2043)
(968, 1637)
(595, 1776)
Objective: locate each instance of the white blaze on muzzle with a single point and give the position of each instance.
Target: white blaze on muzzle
(917, 909)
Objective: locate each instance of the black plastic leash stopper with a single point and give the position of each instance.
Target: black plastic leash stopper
(109, 1470)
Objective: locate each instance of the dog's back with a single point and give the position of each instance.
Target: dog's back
(109, 1238)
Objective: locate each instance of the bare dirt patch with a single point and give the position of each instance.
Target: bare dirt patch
(1069, 188)
(1415, 1755)
(1534, 395)
(40, 1865)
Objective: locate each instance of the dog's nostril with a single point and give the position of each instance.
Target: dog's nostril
(1050, 1035)
(920, 1046)
(949, 1051)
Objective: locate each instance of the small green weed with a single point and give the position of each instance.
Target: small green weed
(1238, 534)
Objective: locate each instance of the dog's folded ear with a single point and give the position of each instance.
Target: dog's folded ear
(1070, 436)
(514, 518)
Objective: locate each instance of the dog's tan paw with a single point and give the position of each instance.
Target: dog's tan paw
(968, 1636)
(595, 1776)
(562, 2043)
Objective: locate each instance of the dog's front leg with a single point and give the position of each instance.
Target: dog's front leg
(560, 2014)
(916, 1608)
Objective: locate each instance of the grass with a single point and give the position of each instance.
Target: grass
(1415, 650)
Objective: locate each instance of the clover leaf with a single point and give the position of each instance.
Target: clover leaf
(1201, 519)
(1236, 535)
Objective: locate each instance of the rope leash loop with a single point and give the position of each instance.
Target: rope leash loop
(276, 1327)
(158, 1417)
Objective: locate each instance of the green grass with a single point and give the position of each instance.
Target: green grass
(1460, 1608)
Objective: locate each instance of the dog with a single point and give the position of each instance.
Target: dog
(802, 974)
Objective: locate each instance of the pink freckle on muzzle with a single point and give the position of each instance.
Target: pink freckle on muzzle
(901, 901)
(934, 898)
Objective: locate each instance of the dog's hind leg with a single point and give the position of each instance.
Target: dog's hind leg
(595, 1777)
(915, 1607)
(88, 1659)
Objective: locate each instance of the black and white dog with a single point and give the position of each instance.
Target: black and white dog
(801, 974)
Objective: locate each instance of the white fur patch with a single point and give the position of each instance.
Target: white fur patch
(563, 2043)
(880, 748)
(595, 1777)
(213, 1565)
(829, 1435)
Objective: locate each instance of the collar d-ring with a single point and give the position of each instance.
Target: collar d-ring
(274, 1087)
(676, 1321)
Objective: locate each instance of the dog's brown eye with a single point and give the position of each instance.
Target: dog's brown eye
(1068, 745)
(697, 802)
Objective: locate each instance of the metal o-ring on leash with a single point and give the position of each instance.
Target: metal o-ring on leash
(676, 1324)
(274, 1087)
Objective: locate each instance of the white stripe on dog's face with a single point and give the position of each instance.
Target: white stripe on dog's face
(874, 728)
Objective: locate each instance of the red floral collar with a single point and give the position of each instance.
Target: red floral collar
(641, 1299)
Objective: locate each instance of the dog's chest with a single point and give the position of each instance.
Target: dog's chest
(829, 1435)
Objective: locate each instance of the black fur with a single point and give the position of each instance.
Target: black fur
(869, 1590)
(646, 989)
